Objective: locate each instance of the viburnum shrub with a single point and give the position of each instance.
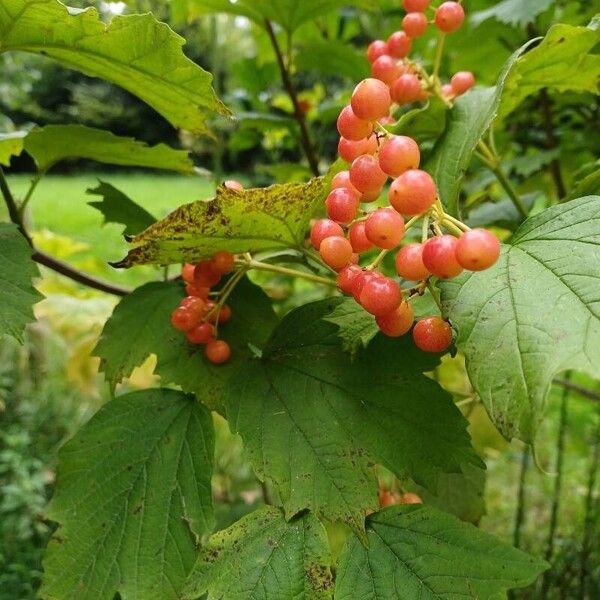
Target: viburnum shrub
(319, 318)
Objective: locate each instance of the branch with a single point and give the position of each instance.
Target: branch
(581, 390)
(552, 144)
(309, 150)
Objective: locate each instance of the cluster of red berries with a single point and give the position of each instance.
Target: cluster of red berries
(389, 498)
(375, 155)
(197, 315)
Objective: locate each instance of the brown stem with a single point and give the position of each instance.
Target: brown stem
(552, 143)
(309, 149)
(581, 390)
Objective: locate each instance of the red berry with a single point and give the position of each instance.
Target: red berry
(194, 304)
(218, 352)
(222, 316)
(462, 82)
(187, 272)
(413, 192)
(358, 238)
(387, 69)
(380, 296)
(432, 334)
(336, 252)
(342, 180)
(449, 16)
(205, 275)
(232, 184)
(387, 498)
(350, 150)
(184, 319)
(397, 322)
(385, 228)
(360, 281)
(191, 289)
(399, 44)
(201, 334)
(416, 5)
(324, 228)
(398, 154)
(409, 263)
(222, 262)
(439, 256)
(371, 196)
(406, 89)
(415, 24)
(351, 127)
(342, 205)
(371, 100)
(477, 249)
(366, 174)
(376, 49)
(448, 91)
(410, 498)
(346, 277)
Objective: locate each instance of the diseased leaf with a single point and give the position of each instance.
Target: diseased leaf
(315, 423)
(263, 557)
(563, 62)
(153, 68)
(420, 552)
(132, 497)
(512, 12)
(17, 294)
(11, 144)
(53, 143)
(253, 220)
(532, 315)
(144, 316)
(116, 207)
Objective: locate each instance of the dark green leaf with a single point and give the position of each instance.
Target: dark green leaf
(332, 57)
(356, 326)
(502, 213)
(424, 123)
(588, 185)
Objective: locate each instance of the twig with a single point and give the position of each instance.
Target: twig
(260, 266)
(580, 389)
(552, 143)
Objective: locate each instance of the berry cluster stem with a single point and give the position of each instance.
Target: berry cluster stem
(250, 263)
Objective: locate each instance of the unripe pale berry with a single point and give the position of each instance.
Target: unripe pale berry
(415, 24)
(342, 180)
(366, 174)
(477, 249)
(346, 277)
(462, 82)
(232, 184)
(385, 228)
(358, 238)
(432, 334)
(376, 49)
(218, 352)
(413, 192)
(380, 296)
(449, 16)
(397, 322)
(342, 205)
(371, 99)
(386, 69)
(350, 150)
(351, 127)
(448, 91)
(322, 229)
(398, 154)
(439, 256)
(416, 5)
(406, 89)
(409, 263)
(399, 44)
(336, 252)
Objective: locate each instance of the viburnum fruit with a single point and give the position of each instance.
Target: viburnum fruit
(406, 89)
(336, 252)
(448, 91)
(397, 322)
(432, 334)
(342, 205)
(191, 289)
(410, 498)
(477, 249)
(205, 275)
(409, 263)
(184, 319)
(416, 5)
(350, 150)
(232, 184)
(376, 49)
(384, 228)
(222, 262)
(415, 24)
(366, 174)
(346, 277)
(342, 180)
(358, 238)
(449, 16)
(398, 154)
(387, 69)
(462, 82)
(399, 44)
(413, 192)
(351, 127)
(322, 229)
(371, 99)
(380, 295)
(201, 334)
(439, 256)
(387, 498)
(360, 281)
(218, 352)
(187, 272)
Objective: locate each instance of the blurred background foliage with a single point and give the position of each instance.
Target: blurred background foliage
(51, 385)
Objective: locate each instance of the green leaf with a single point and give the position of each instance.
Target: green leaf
(468, 121)
(588, 185)
(144, 316)
(153, 68)
(562, 62)
(356, 326)
(534, 314)
(254, 220)
(512, 12)
(11, 144)
(17, 295)
(420, 552)
(54, 143)
(264, 557)
(502, 213)
(424, 123)
(333, 57)
(132, 498)
(315, 422)
(116, 207)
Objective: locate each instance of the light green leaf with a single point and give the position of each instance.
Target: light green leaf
(54, 143)
(116, 207)
(11, 144)
(263, 557)
(534, 314)
(17, 295)
(314, 422)
(513, 12)
(420, 552)
(424, 123)
(132, 498)
(253, 220)
(153, 68)
(144, 316)
(588, 185)
(562, 62)
(333, 57)
(502, 213)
